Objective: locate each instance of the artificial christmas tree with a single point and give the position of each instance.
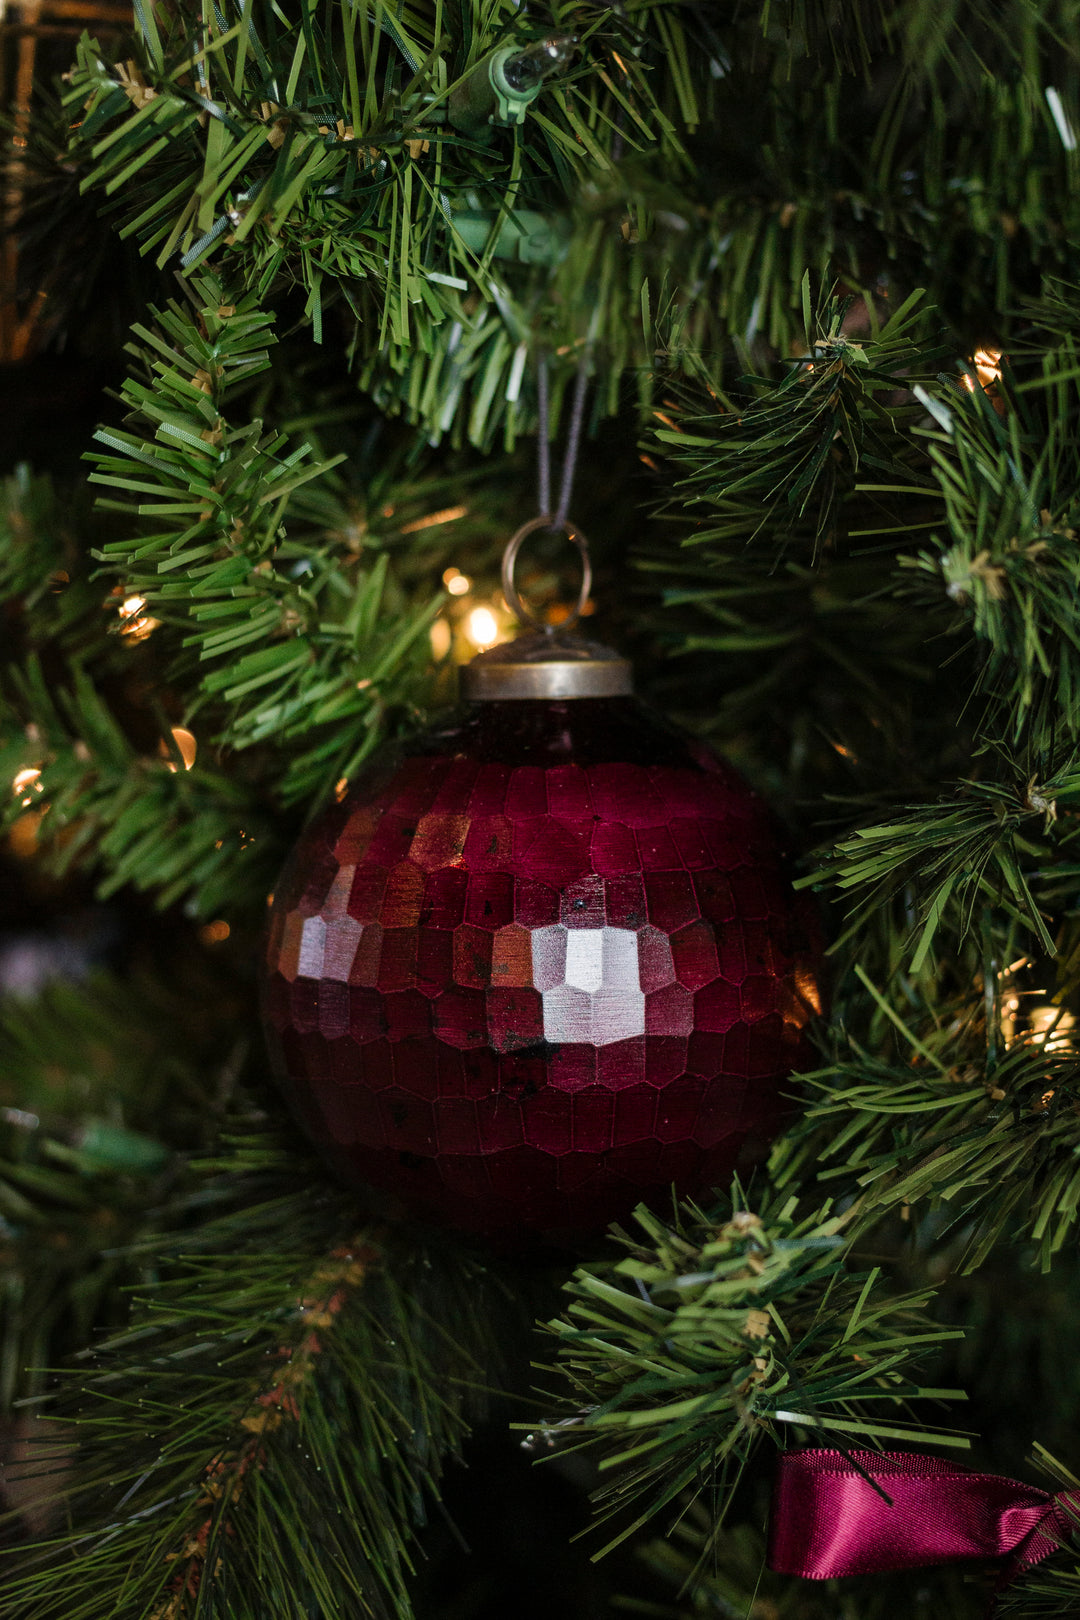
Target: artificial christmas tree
(794, 284)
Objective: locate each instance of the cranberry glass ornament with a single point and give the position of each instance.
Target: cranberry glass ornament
(545, 965)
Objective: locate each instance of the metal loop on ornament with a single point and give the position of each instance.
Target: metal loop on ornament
(515, 602)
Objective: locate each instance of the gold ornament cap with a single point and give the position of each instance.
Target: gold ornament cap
(545, 664)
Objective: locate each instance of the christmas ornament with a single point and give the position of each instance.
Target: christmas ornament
(543, 964)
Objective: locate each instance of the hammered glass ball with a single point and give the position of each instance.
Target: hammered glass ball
(544, 964)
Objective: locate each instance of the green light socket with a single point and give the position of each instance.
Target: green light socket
(501, 88)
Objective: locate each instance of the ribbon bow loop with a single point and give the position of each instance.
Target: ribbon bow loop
(1053, 1531)
(866, 1512)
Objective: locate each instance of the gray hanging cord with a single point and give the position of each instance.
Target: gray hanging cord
(543, 447)
(560, 518)
(573, 442)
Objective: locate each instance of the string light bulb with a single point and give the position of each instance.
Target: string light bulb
(441, 638)
(503, 85)
(1026, 1015)
(482, 628)
(986, 364)
(186, 747)
(1050, 1027)
(135, 623)
(22, 834)
(26, 779)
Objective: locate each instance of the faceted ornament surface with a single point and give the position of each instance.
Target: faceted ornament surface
(541, 968)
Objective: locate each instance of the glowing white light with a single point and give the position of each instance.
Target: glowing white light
(24, 779)
(481, 627)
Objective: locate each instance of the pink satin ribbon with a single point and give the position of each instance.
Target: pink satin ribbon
(828, 1519)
